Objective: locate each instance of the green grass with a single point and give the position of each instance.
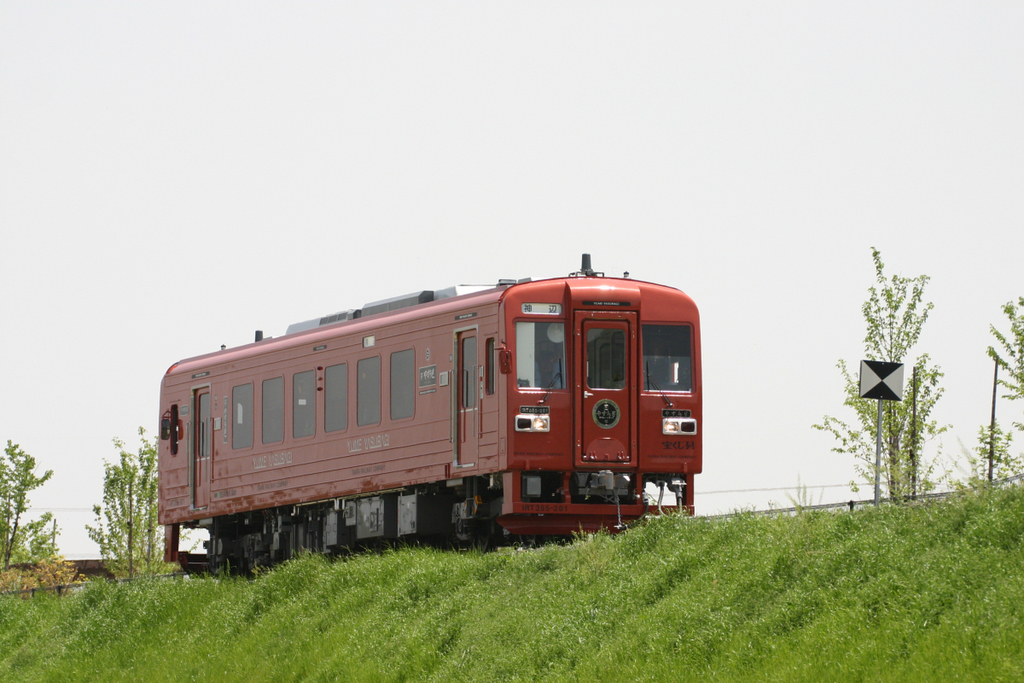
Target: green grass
(929, 592)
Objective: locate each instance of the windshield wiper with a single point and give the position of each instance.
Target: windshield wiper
(654, 384)
(556, 378)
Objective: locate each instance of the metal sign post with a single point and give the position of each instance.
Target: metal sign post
(878, 456)
(883, 381)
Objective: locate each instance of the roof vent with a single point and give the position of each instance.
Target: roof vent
(325, 320)
(394, 303)
(460, 290)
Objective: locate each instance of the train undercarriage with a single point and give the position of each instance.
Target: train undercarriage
(466, 512)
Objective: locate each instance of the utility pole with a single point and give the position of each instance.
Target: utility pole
(992, 426)
(878, 456)
(131, 544)
(913, 442)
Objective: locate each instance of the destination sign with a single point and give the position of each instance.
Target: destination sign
(542, 309)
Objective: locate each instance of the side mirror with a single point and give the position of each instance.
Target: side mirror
(504, 359)
(170, 427)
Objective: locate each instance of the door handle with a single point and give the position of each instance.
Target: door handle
(586, 394)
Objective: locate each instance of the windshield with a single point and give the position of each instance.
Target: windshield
(540, 355)
(667, 358)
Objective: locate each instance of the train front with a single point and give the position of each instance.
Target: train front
(603, 390)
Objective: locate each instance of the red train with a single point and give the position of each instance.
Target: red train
(519, 410)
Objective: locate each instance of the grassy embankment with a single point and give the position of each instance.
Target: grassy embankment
(930, 592)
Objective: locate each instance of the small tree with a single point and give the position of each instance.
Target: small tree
(993, 441)
(21, 540)
(131, 540)
(895, 314)
(1012, 358)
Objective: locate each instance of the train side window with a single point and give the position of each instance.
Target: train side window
(668, 363)
(368, 391)
(403, 384)
(273, 410)
(241, 407)
(336, 398)
(489, 384)
(203, 426)
(540, 355)
(303, 404)
(173, 435)
(470, 380)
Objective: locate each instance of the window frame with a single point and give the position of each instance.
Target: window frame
(267, 409)
(564, 384)
(307, 412)
(360, 386)
(248, 426)
(689, 327)
(599, 364)
(329, 383)
(408, 384)
(489, 365)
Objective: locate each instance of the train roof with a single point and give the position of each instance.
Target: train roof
(314, 329)
(454, 296)
(396, 303)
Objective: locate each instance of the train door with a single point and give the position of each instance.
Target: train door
(467, 398)
(604, 410)
(202, 447)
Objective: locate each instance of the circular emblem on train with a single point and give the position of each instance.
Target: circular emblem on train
(606, 413)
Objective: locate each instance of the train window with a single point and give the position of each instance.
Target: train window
(668, 362)
(403, 384)
(241, 401)
(469, 372)
(606, 358)
(540, 355)
(273, 410)
(336, 398)
(368, 391)
(205, 437)
(303, 404)
(174, 429)
(489, 385)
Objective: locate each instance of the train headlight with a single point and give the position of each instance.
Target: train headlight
(679, 425)
(533, 423)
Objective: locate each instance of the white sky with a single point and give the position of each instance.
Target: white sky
(174, 176)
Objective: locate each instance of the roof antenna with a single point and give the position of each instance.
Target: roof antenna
(585, 269)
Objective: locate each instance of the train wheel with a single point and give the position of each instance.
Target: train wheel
(484, 539)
